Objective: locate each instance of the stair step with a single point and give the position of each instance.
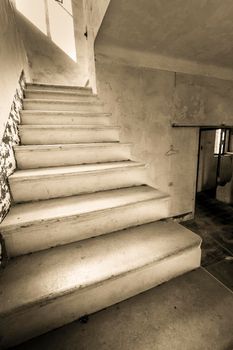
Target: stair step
(54, 182)
(61, 118)
(60, 105)
(59, 95)
(57, 134)
(46, 290)
(40, 225)
(59, 88)
(41, 156)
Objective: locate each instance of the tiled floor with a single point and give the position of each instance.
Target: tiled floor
(214, 223)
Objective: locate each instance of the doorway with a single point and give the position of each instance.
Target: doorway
(215, 169)
(213, 219)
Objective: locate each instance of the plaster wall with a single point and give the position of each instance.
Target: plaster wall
(96, 11)
(12, 60)
(145, 102)
(203, 100)
(141, 101)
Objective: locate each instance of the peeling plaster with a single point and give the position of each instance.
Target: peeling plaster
(7, 158)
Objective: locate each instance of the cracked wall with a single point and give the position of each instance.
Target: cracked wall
(145, 102)
(12, 60)
(7, 158)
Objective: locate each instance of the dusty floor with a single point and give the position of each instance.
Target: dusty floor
(191, 312)
(214, 223)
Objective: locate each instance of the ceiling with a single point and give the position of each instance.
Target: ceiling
(197, 30)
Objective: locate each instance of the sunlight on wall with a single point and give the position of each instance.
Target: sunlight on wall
(35, 13)
(217, 141)
(62, 26)
(54, 20)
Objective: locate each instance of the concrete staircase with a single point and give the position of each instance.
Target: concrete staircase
(82, 207)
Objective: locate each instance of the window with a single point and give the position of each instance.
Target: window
(62, 35)
(222, 141)
(35, 12)
(54, 19)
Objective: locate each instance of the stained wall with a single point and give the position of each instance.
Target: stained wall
(145, 102)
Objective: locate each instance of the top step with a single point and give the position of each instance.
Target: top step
(59, 88)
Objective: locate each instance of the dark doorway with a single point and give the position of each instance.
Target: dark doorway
(213, 219)
(215, 163)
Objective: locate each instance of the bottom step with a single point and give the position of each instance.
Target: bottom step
(57, 286)
(193, 311)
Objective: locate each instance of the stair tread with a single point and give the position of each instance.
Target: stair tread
(68, 146)
(60, 92)
(72, 169)
(84, 114)
(50, 100)
(64, 126)
(26, 214)
(65, 269)
(58, 86)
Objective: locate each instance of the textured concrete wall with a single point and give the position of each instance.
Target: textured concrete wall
(200, 99)
(144, 102)
(196, 31)
(48, 63)
(12, 60)
(96, 11)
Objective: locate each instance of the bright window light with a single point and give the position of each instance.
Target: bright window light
(35, 13)
(62, 26)
(54, 19)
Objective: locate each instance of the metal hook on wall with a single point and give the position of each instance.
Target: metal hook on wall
(171, 151)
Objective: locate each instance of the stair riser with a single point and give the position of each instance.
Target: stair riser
(69, 185)
(62, 106)
(63, 120)
(59, 96)
(58, 312)
(71, 156)
(61, 89)
(47, 234)
(55, 135)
